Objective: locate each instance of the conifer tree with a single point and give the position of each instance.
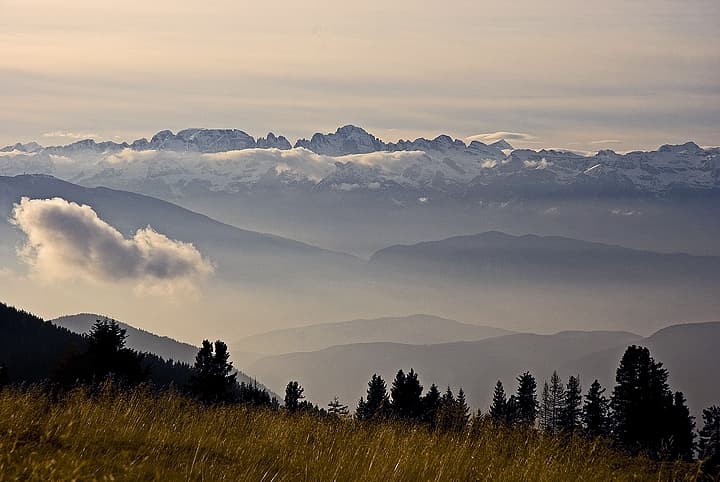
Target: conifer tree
(544, 411)
(641, 404)
(4, 378)
(406, 394)
(709, 444)
(527, 403)
(556, 397)
(498, 409)
(571, 413)
(430, 405)
(682, 430)
(595, 412)
(463, 411)
(376, 404)
(213, 379)
(293, 396)
(337, 409)
(453, 413)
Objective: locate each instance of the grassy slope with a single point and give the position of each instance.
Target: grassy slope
(138, 436)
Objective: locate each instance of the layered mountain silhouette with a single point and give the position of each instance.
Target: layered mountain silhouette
(414, 329)
(688, 352)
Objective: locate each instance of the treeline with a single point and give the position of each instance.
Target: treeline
(641, 415)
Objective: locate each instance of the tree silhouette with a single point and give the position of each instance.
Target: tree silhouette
(571, 411)
(642, 404)
(293, 396)
(551, 404)
(377, 403)
(106, 357)
(453, 413)
(709, 443)
(682, 430)
(498, 409)
(430, 405)
(595, 411)
(406, 394)
(251, 394)
(527, 403)
(4, 378)
(213, 380)
(337, 409)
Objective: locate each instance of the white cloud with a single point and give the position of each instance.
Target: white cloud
(66, 240)
(490, 137)
(625, 212)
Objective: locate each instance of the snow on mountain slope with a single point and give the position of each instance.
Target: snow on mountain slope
(229, 160)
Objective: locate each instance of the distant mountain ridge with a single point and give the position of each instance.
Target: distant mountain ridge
(413, 329)
(497, 254)
(424, 167)
(688, 351)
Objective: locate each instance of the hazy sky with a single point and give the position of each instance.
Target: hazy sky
(587, 75)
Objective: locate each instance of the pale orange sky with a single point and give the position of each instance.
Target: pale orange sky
(619, 74)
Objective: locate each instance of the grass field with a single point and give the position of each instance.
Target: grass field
(141, 436)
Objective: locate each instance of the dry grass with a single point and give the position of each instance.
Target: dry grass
(140, 436)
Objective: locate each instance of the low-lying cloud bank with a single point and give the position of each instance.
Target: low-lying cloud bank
(68, 240)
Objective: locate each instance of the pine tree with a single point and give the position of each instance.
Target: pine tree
(595, 412)
(682, 430)
(556, 398)
(453, 413)
(377, 402)
(545, 408)
(498, 409)
(527, 403)
(213, 379)
(293, 396)
(641, 404)
(710, 441)
(571, 413)
(337, 409)
(430, 405)
(406, 394)
(512, 411)
(4, 378)
(463, 411)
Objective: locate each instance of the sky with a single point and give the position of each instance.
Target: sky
(620, 74)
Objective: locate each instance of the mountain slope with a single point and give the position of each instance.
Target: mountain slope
(499, 255)
(137, 339)
(476, 366)
(413, 329)
(129, 212)
(141, 340)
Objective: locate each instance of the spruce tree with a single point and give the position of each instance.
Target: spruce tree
(527, 403)
(4, 378)
(709, 444)
(213, 379)
(337, 409)
(641, 404)
(595, 412)
(571, 412)
(453, 413)
(545, 408)
(430, 405)
(406, 394)
(682, 430)
(498, 409)
(556, 403)
(293, 396)
(376, 404)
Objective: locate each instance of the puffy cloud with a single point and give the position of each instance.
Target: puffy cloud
(490, 137)
(68, 240)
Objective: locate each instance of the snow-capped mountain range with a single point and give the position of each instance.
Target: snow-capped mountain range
(351, 159)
